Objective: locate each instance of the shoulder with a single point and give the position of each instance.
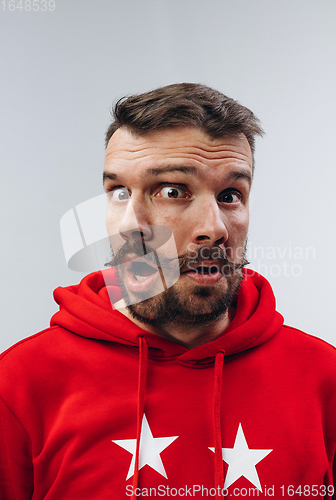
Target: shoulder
(32, 345)
(25, 346)
(307, 352)
(33, 356)
(308, 343)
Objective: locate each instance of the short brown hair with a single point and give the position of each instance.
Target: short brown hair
(185, 104)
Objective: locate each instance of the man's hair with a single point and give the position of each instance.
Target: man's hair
(185, 104)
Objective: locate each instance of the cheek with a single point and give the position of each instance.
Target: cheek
(179, 227)
(243, 225)
(165, 218)
(238, 230)
(112, 225)
(240, 222)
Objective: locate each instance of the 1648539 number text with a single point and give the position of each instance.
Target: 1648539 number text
(28, 5)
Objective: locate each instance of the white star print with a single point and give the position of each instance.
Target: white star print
(242, 461)
(150, 449)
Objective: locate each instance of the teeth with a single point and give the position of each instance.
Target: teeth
(140, 278)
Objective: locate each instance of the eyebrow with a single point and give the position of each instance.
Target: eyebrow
(242, 174)
(109, 176)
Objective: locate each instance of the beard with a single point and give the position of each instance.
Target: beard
(184, 302)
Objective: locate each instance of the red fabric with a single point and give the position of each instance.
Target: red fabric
(71, 405)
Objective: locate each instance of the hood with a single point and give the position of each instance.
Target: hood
(86, 310)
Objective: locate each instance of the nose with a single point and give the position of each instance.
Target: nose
(134, 226)
(210, 227)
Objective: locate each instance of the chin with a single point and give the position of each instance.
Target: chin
(198, 306)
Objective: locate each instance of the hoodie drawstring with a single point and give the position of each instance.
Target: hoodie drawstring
(219, 469)
(143, 357)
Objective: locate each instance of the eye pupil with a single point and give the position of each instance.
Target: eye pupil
(119, 194)
(173, 193)
(229, 197)
(123, 195)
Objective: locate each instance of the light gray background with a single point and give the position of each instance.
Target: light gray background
(60, 73)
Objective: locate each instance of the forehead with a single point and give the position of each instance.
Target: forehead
(188, 145)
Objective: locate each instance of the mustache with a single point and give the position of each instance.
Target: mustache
(141, 250)
(182, 262)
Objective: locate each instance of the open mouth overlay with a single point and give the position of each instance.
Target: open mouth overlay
(91, 239)
(142, 270)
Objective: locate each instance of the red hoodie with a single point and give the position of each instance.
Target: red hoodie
(96, 408)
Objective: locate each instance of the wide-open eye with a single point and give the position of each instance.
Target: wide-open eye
(119, 194)
(230, 196)
(172, 192)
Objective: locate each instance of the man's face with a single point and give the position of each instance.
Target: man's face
(199, 188)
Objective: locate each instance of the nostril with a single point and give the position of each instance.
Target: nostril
(202, 237)
(134, 234)
(138, 234)
(220, 241)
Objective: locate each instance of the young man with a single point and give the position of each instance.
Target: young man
(194, 387)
